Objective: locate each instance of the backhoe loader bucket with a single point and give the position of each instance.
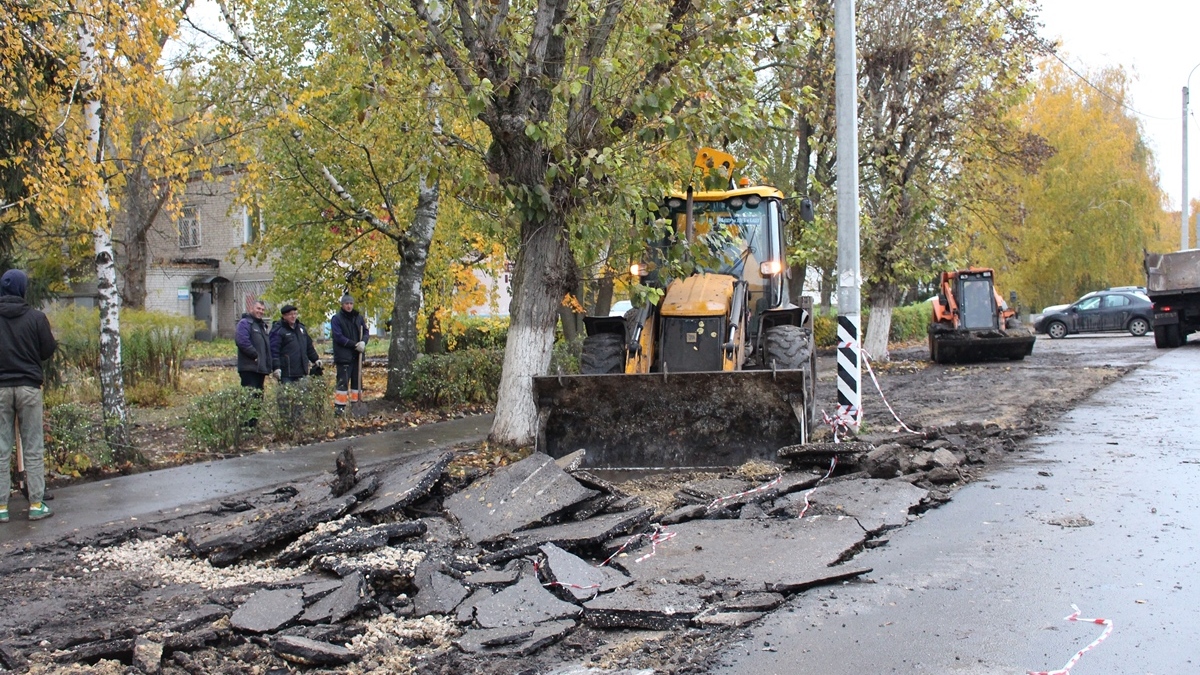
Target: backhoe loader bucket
(684, 420)
(972, 346)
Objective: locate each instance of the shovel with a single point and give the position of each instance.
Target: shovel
(358, 407)
(22, 484)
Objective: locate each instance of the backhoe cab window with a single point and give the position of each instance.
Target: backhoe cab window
(735, 237)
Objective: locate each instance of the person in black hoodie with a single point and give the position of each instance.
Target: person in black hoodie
(26, 341)
(349, 332)
(292, 349)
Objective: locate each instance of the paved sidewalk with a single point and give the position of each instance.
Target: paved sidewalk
(158, 493)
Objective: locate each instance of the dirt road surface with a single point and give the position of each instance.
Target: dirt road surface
(118, 600)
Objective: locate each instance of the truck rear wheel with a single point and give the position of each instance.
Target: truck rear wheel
(1167, 337)
(787, 347)
(602, 354)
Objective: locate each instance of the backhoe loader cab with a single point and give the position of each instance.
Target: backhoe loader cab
(971, 322)
(720, 371)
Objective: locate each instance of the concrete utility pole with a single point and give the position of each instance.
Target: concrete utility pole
(849, 383)
(1183, 206)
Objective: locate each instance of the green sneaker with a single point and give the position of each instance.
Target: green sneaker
(39, 510)
(4, 515)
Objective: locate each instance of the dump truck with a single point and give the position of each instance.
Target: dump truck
(971, 322)
(1173, 285)
(721, 369)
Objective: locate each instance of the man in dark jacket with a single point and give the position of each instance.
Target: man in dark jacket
(25, 341)
(291, 348)
(349, 342)
(254, 349)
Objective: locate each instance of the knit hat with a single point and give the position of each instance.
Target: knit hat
(286, 308)
(347, 298)
(14, 282)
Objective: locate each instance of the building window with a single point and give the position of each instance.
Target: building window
(189, 227)
(251, 224)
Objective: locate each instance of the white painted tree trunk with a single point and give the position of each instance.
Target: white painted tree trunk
(879, 324)
(542, 278)
(112, 383)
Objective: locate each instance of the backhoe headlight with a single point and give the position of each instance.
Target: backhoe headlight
(736, 203)
(770, 268)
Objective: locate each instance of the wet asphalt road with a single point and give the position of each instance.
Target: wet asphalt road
(156, 494)
(981, 585)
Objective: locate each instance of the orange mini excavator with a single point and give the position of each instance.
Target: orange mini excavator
(971, 322)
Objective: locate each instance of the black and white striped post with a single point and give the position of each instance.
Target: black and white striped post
(849, 361)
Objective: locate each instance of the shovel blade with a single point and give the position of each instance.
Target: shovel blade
(685, 420)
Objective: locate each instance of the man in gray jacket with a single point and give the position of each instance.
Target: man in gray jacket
(254, 349)
(27, 341)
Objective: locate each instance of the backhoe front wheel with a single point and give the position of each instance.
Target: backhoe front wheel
(602, 354)
(787, 347)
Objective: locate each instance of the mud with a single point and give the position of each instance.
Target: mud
(79, 605)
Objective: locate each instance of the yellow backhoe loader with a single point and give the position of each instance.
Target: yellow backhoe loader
(721, 370)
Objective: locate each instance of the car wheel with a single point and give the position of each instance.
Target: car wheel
(1057, 330)
(1138, 326)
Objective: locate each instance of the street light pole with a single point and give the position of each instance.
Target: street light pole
(1183, 205)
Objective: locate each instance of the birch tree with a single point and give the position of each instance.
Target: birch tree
(108, 51)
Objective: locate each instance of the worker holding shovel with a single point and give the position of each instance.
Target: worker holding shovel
(349, 332)
(27, 342)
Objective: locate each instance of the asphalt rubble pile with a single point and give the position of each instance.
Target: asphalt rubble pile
(411, 558)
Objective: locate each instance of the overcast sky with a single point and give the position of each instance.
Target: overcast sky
(1158, 43)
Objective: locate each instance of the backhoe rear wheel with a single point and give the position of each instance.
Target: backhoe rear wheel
(787, 347)
(602, 354)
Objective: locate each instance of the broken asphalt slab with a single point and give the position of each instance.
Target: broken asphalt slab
(405, 483)
(876, 504)
(578, 577)
(268, 610)
(308, 652)
(648, 605)
(525, 603)
(514, 497)
(572, 536)
(754, 555)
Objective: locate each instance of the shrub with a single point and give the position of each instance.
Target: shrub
(153, 344)
(909, 323)
(825, 329)
(476, 333)
(565, 358)
(457, 378)
(301, 410)
(73, 441)
(221, 421)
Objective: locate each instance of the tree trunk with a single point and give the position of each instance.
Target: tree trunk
(435, 339)
(414, 253)
(796, 274)
(141, 206)
(545, 272)
(882, 299)
(827, 280)
(112, 383)
(604, 294)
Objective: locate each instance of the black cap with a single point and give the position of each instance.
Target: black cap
(347, 298)
(286, 308)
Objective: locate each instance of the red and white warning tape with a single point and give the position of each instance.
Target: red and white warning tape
(659, 535)
(1108, 628)
(832, 466)
(866, 359)
(760, 488)
(537, 568)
